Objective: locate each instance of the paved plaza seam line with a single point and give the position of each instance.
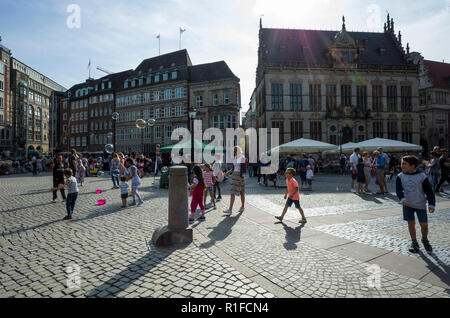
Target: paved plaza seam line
(244, 270)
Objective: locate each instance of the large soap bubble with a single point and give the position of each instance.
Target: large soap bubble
(141, 123)
(151, 122)
(115, 116)
(109, 148)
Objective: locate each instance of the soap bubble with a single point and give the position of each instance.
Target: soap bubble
(164, 170)
(109, 148)
(141, 123)
(151, 122)
(110, 135)
(115, 116)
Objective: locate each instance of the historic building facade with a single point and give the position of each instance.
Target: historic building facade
(336, 87)
(30, 111)
(86, 114)
(167, 88)
(5, 99)
(434, 103)
(215, 94)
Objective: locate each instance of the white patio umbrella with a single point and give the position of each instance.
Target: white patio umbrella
(303, 145)
(346, 148)
(388, 145)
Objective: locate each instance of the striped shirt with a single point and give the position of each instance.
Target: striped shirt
(208, 176)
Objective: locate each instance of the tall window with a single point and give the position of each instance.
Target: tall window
(219, 122)
(406, 98)
(296, 130)
(315, 97)
(392, 98)
(280, 126)
(179, 92)
(226, 98)
(392, 130)
(168, 94)
(167, 112)
(361, 97)
(157, 132)
(156, 96)
(377, 98)
(331, 97)
(277, 96)
(199, 100)
(377, 129)
(407, 132)
(295, 93)
(346, 95)
(316, 130)
(178, 111)
(215, 100)
(231, 121)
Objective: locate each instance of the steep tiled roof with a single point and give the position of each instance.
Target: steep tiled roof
(179, 58)
(312, 46)
(440, 73)
(210, 72)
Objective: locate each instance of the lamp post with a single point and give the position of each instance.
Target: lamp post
(340, 141)
(115, 117)
(192, 115)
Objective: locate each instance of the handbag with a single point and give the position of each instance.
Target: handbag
(220, 176)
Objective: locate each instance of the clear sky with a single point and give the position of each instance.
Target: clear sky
(117, 34)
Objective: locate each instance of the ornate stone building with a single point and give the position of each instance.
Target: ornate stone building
(336, 86)
(5, 99)
(434, 101)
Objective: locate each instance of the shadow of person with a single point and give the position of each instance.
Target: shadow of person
(222, 230)
(292, 236)
(122, 280)
(442, 270)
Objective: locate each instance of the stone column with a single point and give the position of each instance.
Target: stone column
(177, 231)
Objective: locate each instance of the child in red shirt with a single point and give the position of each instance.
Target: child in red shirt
(198, 186)
(294, 196)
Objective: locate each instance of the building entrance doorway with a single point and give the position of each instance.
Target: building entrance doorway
(347, 135)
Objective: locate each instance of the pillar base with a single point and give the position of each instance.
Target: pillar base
(163, 236)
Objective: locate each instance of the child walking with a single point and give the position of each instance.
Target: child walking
(413, 190)
(72, 187)
(132, 174)
(124, 187)
(210, 179)
(198, 185)
(309, 175)
(360, 175)
(292, 195)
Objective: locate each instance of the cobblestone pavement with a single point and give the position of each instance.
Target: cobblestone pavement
(389, 233)
(108, 243)
(232, 256)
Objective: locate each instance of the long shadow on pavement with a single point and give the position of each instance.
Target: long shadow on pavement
(221, 231)
(133, 272)
(443, 272)
(293, 236)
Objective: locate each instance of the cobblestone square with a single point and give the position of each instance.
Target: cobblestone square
(242, 255)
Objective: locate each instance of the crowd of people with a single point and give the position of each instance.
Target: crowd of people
(416, 183)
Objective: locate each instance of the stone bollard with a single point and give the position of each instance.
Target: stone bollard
(177, 231)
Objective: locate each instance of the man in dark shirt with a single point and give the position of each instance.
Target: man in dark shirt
(445, 168)
(58, 176)
(73, 162)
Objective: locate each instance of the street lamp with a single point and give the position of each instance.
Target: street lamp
(192, 115)
(115, 117)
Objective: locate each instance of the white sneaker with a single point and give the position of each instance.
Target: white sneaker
(228, 211)
(353, 190)
(54, 201)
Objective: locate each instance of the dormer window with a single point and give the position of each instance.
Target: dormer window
(125, 84)
(149, 80)
(382, 50)
(109, 84)
(133, 83)
(141, 81)
(174, 75)
(157, 78)
(165, 76)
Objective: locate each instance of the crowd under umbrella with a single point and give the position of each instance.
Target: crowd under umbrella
(346, 148)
